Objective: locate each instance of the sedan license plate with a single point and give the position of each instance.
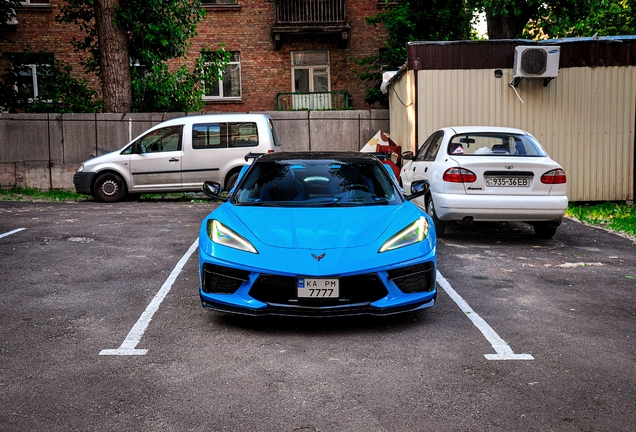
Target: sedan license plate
(318, 287)
(500, 181)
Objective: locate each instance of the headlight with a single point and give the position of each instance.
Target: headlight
(414, 233)
(80, 168)
(222, 235)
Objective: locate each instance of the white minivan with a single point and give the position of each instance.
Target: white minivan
(178, 155)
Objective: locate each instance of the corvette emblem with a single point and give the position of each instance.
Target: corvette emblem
(509, 167)
(318, 257)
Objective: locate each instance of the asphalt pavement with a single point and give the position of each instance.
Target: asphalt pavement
(78, 278)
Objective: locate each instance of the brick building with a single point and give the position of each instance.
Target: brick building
(287, 54)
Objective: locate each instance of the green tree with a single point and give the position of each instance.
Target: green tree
(156, 31)
(160, 90)
(407, 21)
(508, 19)
(57, 92)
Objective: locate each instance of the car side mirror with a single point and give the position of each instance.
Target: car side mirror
(136, 147)
(408, 155)
(213, 190)
(418, 189)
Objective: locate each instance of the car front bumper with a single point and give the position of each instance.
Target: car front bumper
(376, 292)
(499, 208)
(82, 182)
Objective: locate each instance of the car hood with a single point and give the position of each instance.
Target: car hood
(321, 228)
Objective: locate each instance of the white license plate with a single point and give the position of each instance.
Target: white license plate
(508, 181)
(318, 287)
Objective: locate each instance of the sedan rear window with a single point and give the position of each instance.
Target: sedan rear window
(494, 144)
(320, 182)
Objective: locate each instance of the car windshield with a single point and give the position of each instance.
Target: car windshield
(494, 144)
(317, 183)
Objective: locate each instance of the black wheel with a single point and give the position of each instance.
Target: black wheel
(109, 187)
(544, 230)
(231, 180)
(440, 227)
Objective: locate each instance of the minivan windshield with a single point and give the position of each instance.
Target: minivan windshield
(317, 183)
(494, 144)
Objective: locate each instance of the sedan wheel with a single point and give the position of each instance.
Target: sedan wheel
(109, 188)
(545, 230)
(440, 227)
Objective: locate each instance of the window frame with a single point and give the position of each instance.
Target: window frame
(221, 97)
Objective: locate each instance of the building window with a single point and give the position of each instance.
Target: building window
(34, 75)
(229, 85)
(310, 74)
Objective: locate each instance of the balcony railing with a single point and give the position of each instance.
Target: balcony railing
(335, 100)
(310, 12)
(310, 17)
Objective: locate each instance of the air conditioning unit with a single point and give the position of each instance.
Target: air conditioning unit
(536, 62)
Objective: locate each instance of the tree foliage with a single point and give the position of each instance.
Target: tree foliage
(158, 30)
(160, 90)
(509, 19)
(61, 94)
(406, 21)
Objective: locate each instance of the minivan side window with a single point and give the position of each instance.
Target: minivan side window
(224, 135)
(162, 140)
(209, 135)
(242, 134)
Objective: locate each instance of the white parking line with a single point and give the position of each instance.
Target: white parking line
(12, 232)
(136, 333)
(504, 352)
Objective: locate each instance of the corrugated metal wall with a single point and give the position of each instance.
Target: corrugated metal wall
(585, 118)
(402, 111)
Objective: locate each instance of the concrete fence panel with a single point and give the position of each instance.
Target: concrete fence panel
(43, 150)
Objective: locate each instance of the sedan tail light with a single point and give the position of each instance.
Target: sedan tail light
(459, 175)
(556, 176)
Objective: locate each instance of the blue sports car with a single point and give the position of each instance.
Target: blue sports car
(317, 234)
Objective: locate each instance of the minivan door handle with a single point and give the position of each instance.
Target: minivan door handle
(173, 160)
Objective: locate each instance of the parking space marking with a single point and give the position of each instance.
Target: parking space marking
(504, 352)
(12, 232)
(128, 347)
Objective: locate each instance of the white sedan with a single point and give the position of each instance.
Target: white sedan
(488, 174)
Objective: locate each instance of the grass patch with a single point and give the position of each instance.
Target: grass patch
(619, 217)
(16, 193)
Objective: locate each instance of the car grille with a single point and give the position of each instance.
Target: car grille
(282, 290)
(417, 278)
(219, 279)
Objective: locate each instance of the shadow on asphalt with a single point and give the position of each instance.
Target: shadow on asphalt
(322, 325)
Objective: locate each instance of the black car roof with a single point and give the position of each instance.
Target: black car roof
(318, 155)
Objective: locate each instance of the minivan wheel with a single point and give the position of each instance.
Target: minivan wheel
(231, 179)
(440, 227)
(109, 187)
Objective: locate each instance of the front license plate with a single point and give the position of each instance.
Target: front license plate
(318, 287)
(508, 181)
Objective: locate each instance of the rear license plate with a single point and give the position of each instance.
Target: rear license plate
(318, 287)
(508, 181)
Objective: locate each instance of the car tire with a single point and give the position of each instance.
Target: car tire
(545, 230)
(440, 227)
(231, 180)
(109, 187)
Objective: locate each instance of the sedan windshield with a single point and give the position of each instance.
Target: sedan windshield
(494, 144)
(319, 182)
